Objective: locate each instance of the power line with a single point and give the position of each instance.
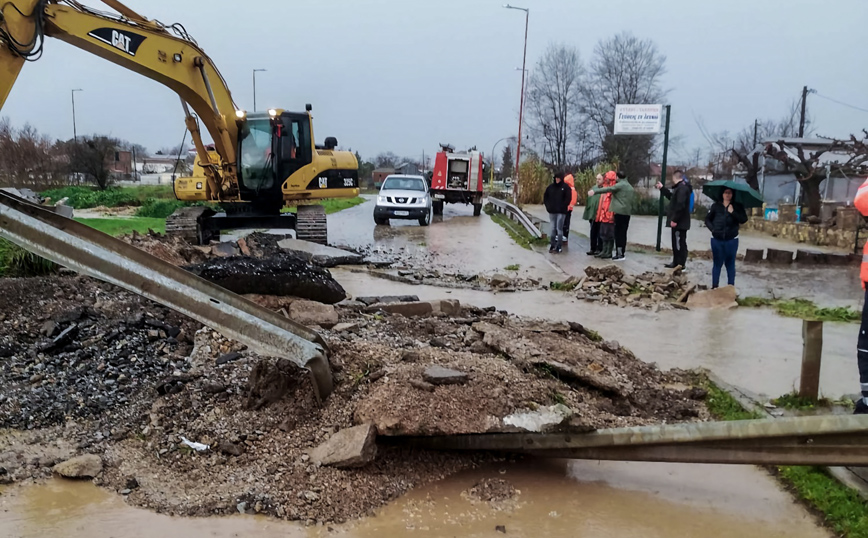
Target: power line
(841, 103)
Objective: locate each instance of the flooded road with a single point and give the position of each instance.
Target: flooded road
(554, 498)
(456, 241)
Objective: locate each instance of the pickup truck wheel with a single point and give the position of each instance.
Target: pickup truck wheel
(426, 220)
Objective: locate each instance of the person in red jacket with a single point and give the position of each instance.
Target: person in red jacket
(569, 180)
(861, 204)
(606, 218)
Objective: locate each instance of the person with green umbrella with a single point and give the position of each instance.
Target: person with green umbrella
(723, 221)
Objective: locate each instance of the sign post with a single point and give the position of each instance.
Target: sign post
(663, 176)
(642, 120)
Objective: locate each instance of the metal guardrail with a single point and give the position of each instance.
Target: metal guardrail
(817, 440)
(88, 251)
(516, 214)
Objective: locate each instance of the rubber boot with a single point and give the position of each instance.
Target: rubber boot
(606, 254)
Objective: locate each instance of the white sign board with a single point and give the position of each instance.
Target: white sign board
(638, 119)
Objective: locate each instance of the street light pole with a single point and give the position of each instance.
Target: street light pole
(254, 87)
(491, 175)
(521, 106)
(74, 131)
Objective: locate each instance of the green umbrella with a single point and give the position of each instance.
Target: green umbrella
(741, 193)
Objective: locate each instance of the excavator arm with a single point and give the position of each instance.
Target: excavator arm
(166, 54)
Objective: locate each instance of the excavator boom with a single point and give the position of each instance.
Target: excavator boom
(279, 160)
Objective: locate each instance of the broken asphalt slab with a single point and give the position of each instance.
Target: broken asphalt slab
(321, 255)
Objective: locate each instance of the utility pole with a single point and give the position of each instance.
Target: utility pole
(755, 126)
(74, 131)
(254, 87)
(802, 117)
(663, 176)
(521, 106)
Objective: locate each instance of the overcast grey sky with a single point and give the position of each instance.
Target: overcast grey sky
(403, 75)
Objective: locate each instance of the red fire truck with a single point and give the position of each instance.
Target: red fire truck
(457, 179)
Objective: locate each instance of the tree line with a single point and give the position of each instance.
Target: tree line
(31, 159)
(570, 103)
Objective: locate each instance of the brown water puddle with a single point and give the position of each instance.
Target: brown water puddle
(555, 498)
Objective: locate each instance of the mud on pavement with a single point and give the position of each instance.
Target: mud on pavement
(131, 381)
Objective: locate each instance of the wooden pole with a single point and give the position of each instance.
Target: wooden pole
(812, 353)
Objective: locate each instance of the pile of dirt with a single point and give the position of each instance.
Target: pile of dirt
(281, 274)
(472, 371)
(173, 250)
(611, 285)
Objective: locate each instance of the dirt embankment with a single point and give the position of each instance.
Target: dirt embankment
(131, 381)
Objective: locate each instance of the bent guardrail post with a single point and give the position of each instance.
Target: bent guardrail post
(88, 251)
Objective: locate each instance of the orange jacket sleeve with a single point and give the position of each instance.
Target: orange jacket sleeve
(861, 201)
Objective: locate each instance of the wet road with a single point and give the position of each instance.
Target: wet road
(555, 498)
(456, 241)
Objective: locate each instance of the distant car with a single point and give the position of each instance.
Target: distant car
(403, 197)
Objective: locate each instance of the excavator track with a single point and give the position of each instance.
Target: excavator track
(186, 223)
(311, 224)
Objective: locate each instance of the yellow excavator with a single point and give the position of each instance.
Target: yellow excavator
(258, 163)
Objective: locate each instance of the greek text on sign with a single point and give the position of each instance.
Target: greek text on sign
(638, 119)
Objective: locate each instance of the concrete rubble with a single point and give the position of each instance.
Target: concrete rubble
(87, 466)
(610, 285)
(321, 255)
(348, 448)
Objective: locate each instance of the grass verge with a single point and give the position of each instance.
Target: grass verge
(516, 231)
(803, 309)
(116, 227)
(334, 205)
(839, 507)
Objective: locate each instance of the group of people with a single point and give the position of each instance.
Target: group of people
(610, 206)
(608, 209)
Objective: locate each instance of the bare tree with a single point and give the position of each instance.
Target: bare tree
(809, 171)
(624, 70)
(554, 105)
(27, 158)
(741, 149)
(387, 160)
(91, 156)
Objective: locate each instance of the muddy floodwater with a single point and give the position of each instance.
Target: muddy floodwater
(553, 498)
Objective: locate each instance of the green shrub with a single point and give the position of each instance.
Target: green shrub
(159, 209)
(646, 205)
(89, 197)
(16, 261)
